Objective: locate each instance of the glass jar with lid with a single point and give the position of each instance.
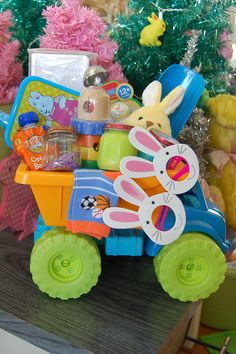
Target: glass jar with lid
(114, 145)
(61, 150)
(163, 138)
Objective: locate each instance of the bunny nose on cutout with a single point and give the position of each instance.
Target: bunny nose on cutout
(149, 123)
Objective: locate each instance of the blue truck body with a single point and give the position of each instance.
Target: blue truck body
(202, 216)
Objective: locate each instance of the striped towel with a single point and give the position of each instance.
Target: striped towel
(92, 193)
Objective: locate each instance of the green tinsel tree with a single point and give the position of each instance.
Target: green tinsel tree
(28, 22)
(143, 64)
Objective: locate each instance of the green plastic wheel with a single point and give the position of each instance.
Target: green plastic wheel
(191, 268)
(65, 265)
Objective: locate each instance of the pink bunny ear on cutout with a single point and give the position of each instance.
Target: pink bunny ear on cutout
(136, 167)
(144, 141)
(121, 218)
(130, 191)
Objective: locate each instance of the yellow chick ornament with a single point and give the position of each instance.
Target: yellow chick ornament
(150, 34)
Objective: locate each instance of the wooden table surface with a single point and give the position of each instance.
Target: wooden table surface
(127, 312)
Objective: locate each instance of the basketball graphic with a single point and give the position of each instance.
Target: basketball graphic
(102, 202)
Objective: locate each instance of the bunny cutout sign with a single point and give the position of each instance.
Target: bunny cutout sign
(165, 158)
(122, 218)
(162, 216)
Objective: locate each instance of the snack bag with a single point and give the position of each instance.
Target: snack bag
(28, 141)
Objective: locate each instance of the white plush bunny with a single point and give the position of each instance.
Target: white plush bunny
(136, 167)
(122, 218)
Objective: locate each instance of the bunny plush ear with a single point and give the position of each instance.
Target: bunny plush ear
(130, 191)
(172, 100)
(152, 94)
(144, 141)
(121, 218)
(136, 167)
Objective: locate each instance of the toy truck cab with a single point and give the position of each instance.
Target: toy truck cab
(202, 216)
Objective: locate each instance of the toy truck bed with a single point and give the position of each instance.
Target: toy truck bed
(52, 191)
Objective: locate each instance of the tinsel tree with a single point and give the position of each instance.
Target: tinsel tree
(73, 26)
(11, 72)
(195, 134)
(29, 23)
(142, 64)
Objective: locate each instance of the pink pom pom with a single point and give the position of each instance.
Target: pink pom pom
(226, 49)
(73, 26)
(115, 73)
(106, 52)
(5, 23)
(11, 72)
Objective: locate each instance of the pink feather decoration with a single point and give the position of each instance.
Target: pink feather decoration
(73, 26)
(11, 72)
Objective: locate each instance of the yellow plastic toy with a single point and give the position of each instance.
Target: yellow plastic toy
(222, 154)
(155, 112)
(150, 34)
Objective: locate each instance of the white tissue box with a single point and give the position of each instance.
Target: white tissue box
(64, 67)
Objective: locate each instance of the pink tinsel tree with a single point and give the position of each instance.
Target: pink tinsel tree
(73, 26)
(11, 72)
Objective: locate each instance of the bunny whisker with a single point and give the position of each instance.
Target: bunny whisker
(193, 174)
(154, 234)
(181, 223)
(172, 185)
(167, 200)
(181, 149)
(157, 235)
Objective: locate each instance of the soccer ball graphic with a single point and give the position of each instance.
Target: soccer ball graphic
(88, 202)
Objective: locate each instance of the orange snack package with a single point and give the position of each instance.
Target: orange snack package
(28, 141)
